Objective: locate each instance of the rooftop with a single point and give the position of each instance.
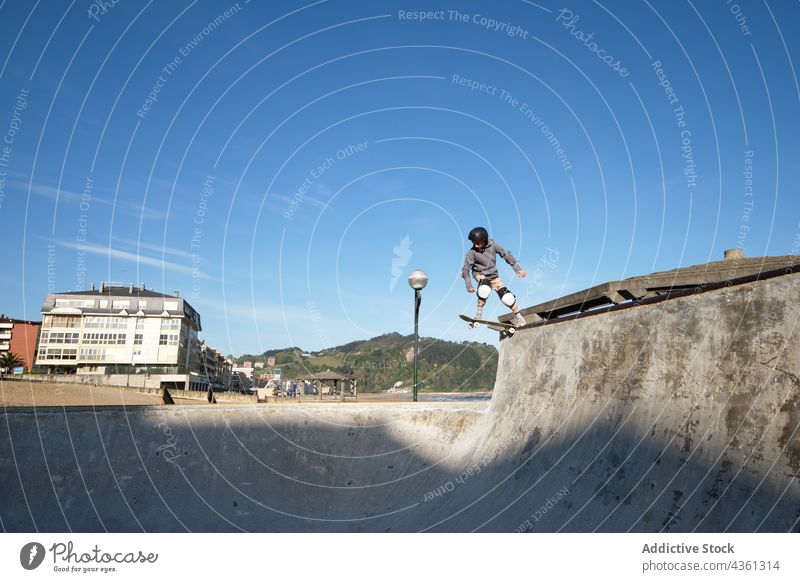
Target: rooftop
(4, 319)
(327, 375)
(118, 290)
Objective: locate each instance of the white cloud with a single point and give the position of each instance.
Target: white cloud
(75, 198)
(139, 259)
(306, 199)
(141, 245)
(143, 212)
(52, 193)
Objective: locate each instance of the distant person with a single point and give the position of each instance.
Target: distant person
(481, 261)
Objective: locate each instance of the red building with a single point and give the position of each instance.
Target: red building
(20, 337)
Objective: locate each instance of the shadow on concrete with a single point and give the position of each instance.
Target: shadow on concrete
(215, 470)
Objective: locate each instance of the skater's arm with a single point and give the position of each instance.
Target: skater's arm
(509, 258)
(465, 270)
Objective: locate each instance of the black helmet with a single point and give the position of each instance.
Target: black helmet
(478, 234)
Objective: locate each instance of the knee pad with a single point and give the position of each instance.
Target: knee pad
(506, 296)
(484, 290)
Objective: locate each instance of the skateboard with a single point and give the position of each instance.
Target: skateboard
(503, 328)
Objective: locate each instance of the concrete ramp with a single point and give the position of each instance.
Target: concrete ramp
(680, 415)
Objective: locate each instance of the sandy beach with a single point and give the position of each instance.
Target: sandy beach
(22, 393)
(26, 393)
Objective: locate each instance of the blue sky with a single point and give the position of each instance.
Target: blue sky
(285, 165)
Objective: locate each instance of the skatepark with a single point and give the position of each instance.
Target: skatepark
(676, 413)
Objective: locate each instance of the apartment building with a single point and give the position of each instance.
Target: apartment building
(149, 338)
(242, 378)
(20, 337)
(215, 367)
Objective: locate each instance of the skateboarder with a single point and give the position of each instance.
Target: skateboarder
(481, 259)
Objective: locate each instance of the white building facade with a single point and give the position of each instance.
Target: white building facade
(122, 330)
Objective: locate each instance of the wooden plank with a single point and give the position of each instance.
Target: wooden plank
(572, 299)
(615, 292)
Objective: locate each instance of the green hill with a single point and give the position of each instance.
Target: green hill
(444, 366)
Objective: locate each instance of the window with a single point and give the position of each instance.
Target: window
(170, 324)
(59, 337)
(93, 354)
(74, 302)
(140, 325)
(142, 304)
(58, 354)
(168, 339)
(61, 321)
(138, 339)
(105, 323)
(121, 304)
(104, 338)
(170, 306)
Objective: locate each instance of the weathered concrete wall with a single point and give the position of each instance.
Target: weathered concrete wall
(677, 416)
(201, 395)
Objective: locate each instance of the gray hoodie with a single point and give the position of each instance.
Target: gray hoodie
(485, 262)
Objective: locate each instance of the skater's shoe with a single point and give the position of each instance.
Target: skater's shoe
(518, 320)
(474, 324)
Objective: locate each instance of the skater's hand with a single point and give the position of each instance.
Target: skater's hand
(522, 272)
(470, 290)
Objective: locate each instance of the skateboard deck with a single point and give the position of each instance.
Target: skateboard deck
(495, 325)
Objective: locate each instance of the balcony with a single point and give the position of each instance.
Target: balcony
(5, 335)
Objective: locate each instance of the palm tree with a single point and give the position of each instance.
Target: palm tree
(10, 360)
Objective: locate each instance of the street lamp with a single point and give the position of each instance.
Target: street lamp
(417, 280)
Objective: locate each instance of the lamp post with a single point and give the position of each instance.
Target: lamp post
(417, 280)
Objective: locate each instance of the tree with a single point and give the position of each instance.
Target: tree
(10, 360)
